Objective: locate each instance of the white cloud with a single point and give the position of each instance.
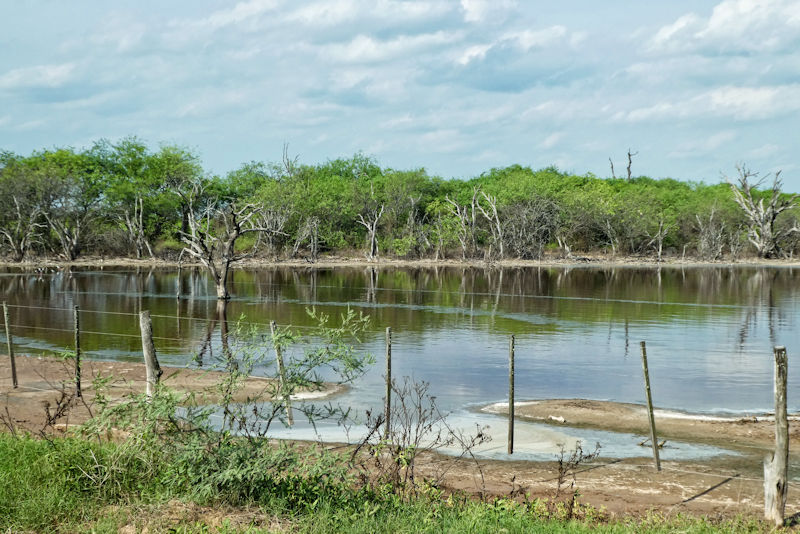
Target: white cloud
(763, 151)
(335, 12)
(37, 76)
(241, 12)
(528, 39)
(364, 48)
(740, 103)
(474, 52)
(482, 10)
(704, 145)
(551, 140)
(734, 26)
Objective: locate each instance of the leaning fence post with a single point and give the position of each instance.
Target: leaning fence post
(388, 408)
(152, 368)
(653, 437)
(511, 395)
(76, 317)
(10, 346)
(281, 373)
(775, 465)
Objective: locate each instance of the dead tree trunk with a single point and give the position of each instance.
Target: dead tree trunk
(761, 217)
(630, 161)
(496, 227)
(212, 237)
(371, 224)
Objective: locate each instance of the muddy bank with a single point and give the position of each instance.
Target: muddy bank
(47, 384)
(742, 433)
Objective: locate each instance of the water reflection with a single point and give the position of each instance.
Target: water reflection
(711, 329)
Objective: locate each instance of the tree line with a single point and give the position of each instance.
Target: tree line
(125, 199)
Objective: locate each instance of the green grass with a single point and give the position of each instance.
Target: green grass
(76, 485)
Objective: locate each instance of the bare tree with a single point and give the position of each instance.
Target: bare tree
(613, 175)
(371, 221)
(496, 227)
(133, 223)
(657, 238)
(466, 217)
(711, 236)
(530, 226)
(761, 231)
(213, 232)
(273, 221)
(630, 161)
(22, 230)
(309, 230)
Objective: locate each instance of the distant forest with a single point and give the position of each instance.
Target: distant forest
(126, 199)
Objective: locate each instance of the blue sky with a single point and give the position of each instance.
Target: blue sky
(457, 87)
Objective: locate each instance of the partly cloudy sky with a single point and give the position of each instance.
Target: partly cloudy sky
(457, 87)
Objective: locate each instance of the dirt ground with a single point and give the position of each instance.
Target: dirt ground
(725, 486)
(47, 384)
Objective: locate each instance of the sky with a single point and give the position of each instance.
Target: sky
(458, 87)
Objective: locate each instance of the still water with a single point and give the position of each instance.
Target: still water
(709, 331)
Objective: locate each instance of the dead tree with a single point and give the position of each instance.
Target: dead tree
(657, 239)
(22, 231)
(761, 216)
(613, 175)
(496, 227)
(461, 214)
(213, 232)
(466, 217)
(134, 227)
(711, 236)
(309, 230)
(371, 224)
(630, 161)
(273, 221)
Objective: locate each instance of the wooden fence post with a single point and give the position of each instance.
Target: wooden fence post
(10, 346)
(281, 373)
(76, 317)
(388, 407)
(775, 465)
(152, 368)
(511, 395)
(653, 437)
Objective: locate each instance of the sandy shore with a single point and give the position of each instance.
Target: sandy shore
(749, 433)
(45, 382)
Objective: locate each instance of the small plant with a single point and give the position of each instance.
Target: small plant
(387, 458)
(568, 464)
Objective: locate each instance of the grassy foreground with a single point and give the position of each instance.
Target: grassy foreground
(82, 485)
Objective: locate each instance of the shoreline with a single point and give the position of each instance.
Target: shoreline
(590, 260)
(46, 383)
(741, 433)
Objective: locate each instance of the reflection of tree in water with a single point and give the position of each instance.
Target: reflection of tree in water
(760, 295)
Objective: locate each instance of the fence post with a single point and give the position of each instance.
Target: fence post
(152, 368)
(76, 317)
(511, 395)
(775, 465)
(653, 437)
(388, 407)
(10, 346)
(281, 373)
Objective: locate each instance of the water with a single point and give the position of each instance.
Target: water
(709, 331)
